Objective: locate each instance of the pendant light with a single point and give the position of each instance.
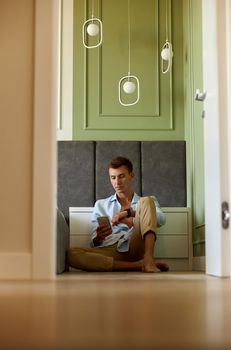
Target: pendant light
(92, 27)
(166, 52)
(129, 84)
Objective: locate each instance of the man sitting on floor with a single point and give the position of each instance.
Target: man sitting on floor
(127, 243)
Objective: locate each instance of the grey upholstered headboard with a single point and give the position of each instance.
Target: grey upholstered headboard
(159, 166)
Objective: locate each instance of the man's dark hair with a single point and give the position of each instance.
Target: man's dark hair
(121, 161)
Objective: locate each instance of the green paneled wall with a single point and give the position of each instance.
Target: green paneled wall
(194, 121)
(97, 113)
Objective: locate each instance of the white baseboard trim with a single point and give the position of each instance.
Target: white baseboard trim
(199, 263)
(15, 265)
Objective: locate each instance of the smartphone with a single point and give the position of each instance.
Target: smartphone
(104, 220)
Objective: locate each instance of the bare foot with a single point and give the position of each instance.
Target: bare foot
(149, 265)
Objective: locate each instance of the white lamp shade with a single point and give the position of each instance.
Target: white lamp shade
(165, 53)
(92, 29)
(129, 87)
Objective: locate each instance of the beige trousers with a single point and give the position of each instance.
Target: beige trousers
(102, 258)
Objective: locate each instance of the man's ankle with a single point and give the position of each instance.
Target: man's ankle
(149, 233)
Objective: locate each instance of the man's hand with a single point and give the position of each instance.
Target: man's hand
(102, 232)
(122, 217)
(117, 218)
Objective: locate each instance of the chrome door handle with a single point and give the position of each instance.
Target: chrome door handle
(200, 96)
(225, 214)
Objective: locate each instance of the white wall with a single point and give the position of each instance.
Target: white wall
(28, 90)
(16, 141)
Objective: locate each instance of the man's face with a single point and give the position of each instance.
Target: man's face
(121, 179)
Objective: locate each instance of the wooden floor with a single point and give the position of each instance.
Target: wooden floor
(121, 311)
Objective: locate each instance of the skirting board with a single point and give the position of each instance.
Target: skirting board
(15, 265)
(199, 263)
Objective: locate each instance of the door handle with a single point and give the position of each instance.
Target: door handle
(200, 96)
(225, 214)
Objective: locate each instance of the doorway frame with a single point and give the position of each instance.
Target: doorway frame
(46, 107)
(217, 65)
(46, 102)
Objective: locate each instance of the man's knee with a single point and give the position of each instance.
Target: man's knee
(146, 199)
(147, 202)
